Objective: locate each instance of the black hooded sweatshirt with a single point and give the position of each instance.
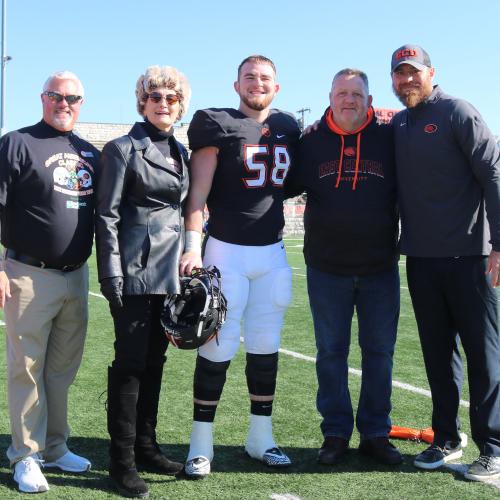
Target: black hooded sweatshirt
(351, 217)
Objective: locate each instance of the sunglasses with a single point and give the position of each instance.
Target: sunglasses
(57, 97)
(156, 97)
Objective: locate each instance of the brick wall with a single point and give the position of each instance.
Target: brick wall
(101, 133)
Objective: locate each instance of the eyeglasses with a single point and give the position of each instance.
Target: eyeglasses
(57, 97)
(156, 97)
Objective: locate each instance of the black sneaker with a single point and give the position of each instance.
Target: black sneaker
(435, 456)
(484, 468)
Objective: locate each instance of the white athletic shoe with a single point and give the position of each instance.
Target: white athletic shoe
(197, 467)
(70, 462)
(28, 475)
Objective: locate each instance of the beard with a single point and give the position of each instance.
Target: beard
(63, 123)
(411, 97)
(257, 104)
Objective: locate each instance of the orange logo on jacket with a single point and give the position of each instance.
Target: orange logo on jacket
(430, 128)
(350, 151)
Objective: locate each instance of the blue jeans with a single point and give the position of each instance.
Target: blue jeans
(333, 299)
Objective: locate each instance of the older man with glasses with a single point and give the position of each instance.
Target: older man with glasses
(47, 176)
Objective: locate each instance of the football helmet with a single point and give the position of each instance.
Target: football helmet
(193, 317)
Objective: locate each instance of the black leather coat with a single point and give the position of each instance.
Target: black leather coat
(140, 214)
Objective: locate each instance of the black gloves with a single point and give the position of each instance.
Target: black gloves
(112, 289)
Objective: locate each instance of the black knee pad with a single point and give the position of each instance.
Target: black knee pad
(261, 372)
(209, 379)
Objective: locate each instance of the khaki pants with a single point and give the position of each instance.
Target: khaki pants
(46, 323)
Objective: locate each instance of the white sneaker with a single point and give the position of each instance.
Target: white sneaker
(70, 462)
(28, 475)
(197, 467)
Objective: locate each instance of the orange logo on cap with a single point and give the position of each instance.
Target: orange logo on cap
(265, 131)
(406, 53)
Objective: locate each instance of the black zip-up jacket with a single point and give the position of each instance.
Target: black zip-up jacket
(351, 229)
(448, 171)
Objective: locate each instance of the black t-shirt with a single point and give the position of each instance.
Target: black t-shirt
(47, 186)
(246, 199)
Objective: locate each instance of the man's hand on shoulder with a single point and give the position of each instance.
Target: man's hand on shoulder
(4, 289)
(494, 268)
(311, 128)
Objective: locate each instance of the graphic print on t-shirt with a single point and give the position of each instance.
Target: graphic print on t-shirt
(72, 176)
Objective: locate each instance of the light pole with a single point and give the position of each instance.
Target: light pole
(301, 112)
(4, 61)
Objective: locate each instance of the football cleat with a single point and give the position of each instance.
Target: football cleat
(197, 467)
(274, 457)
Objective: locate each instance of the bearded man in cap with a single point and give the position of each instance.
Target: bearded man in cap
(448, 172)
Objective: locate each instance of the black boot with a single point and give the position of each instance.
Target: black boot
(148, 454)
(123, 392)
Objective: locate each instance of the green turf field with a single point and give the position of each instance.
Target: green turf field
(296, 422)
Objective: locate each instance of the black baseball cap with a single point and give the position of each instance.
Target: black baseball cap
(410, 54)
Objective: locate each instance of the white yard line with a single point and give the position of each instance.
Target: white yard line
(460, 468)
(355, 371)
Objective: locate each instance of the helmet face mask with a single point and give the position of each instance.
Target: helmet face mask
(193, 317)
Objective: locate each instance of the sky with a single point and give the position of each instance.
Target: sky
(109, 44)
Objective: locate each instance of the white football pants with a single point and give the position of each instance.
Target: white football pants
(257, 283)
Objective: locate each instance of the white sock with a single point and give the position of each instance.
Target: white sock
(201, 442)
(260, 436)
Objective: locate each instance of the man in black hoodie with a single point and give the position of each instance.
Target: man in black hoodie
(346, 167)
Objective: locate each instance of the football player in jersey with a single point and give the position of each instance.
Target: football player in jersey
(239, 162)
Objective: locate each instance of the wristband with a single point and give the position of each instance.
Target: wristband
(193, 242)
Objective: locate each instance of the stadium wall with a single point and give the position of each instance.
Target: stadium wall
(100, 133)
